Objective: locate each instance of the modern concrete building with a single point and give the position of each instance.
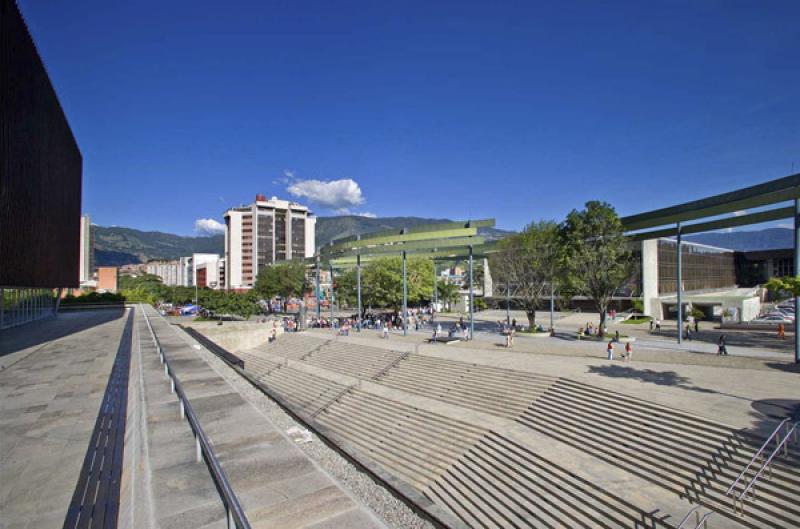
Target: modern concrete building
(211, 274)
(204, 260)
(708, 279)
(86, 258)
(166, 270)
(262, 233)
(184, 272)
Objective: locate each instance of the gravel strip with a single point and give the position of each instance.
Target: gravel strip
(394, 513)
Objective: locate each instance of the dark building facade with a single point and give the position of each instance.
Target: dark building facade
(40, 168)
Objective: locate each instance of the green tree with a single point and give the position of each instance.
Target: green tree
(382, 281)
(283, 279)
(448, 293)
(784, 285)
(346, 288)
(597, 259)
(529, 263)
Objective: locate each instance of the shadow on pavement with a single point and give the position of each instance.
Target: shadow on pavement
(46, 330)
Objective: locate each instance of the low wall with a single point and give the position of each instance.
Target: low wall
(235, 336)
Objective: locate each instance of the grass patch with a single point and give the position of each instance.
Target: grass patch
(636, 321)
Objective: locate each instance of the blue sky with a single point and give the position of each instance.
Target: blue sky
(462, 110)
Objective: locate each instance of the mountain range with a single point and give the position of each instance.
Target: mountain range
(117, 246)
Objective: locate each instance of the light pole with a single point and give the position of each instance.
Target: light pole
(405, 297)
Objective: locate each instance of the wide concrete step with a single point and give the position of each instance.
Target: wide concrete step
(699, 485)
(416, 444)
(499, 483)
(307, 392)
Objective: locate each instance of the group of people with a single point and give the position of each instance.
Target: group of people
(626, 356)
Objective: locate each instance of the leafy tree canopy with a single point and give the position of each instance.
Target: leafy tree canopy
(597, 258)
(284, 279)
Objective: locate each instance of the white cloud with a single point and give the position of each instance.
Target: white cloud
(740, 213)
(787, 226)
(367, 214)
(334, 194)
(208, 226)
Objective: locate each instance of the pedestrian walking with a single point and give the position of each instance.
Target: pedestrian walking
(610, 350)
(385, 331)
(781, 331)
(723, 349)
(651, 325)
(688, 332)
(696, 325)
(658, 325)
(628, 352)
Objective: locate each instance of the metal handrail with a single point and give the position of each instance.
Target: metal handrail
(688, 514)
(768, 461)
(235, 514)
(753, 460)
(704, 520)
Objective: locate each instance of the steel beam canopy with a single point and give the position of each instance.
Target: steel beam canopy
(772, 192)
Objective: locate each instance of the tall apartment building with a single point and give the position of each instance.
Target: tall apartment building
(262, 233)
(86, 257)
(166, 270)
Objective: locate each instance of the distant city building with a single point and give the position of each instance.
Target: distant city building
(184, 272)
(166, 270)
(262, 233)
(134, 269)
(205, 261)
(107, 278)
(211, 274)
(86, 257)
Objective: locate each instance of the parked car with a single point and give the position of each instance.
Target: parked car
(772, 320)
(780, 314)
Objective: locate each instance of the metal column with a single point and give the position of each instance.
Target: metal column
(319, 305)
(332, 295)
(358, 288)
(405, 297)
(552, 307)
(679, 288)
(471, 299)
(508, 303)
(796, 273)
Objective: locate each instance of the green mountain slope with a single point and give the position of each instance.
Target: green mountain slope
(115, 246)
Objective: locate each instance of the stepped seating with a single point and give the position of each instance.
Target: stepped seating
(304, 392)
(258, 365)
(411, 443)
(501, 392)
(694, 457)
(499, 483)
(292, 345)
(352, 359)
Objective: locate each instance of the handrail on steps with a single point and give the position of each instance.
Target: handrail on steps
(236, 518)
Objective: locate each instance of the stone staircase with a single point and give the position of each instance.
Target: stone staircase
(499, 483)
(486, 477)
(691, 456)
(305, 392)
(413, 443)
(352, 359)
(501, 392)
(293, 345)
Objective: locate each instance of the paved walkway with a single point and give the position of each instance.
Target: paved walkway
(54, 378)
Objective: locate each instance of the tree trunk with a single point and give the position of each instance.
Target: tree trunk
(603, 321)
(531, 314)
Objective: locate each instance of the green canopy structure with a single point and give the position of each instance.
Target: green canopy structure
(445, 241)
